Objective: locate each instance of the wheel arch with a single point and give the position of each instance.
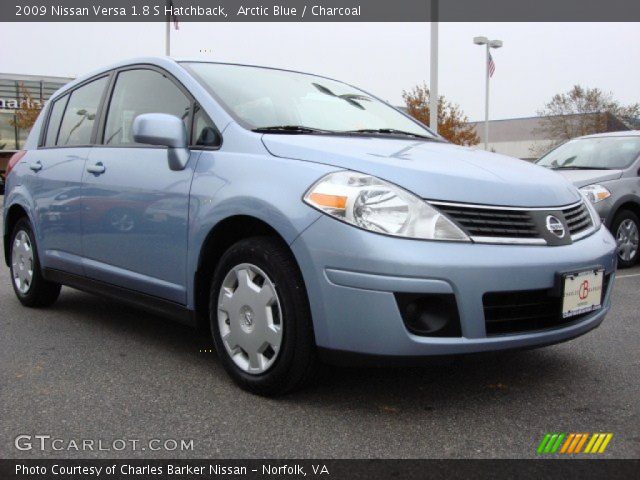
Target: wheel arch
(219, 238)
(14, 213)
(628, 203)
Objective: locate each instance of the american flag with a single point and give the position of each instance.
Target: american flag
(174, 17)
(491, 65)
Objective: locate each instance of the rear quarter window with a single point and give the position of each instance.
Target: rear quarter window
(80, 114)
(53, 127)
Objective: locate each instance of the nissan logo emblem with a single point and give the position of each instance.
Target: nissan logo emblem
(555, 226)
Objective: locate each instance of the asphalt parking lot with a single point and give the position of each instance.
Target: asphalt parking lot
(90, 368)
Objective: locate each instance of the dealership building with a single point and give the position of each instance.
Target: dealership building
(12, 96)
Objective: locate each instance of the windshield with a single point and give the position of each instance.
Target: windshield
(601, 153)
(262, 98)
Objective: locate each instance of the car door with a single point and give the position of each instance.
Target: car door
(135, 211)
(57, 167)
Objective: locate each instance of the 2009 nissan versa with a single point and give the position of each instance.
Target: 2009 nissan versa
(302, 219)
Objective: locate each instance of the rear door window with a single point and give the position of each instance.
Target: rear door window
(80, 114)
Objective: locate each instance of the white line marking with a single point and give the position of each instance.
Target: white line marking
(628, 276)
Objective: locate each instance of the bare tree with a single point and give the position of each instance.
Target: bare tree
(582, 111)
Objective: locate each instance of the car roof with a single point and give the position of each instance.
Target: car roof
(167, 63)
(622, 133)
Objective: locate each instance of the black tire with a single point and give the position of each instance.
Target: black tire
(296, 362)
(622, 216)
(40, 293)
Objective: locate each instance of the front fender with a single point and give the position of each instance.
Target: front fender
(258, 185)
(612, 210)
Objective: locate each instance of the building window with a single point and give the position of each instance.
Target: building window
(12, 89)
(7, 131)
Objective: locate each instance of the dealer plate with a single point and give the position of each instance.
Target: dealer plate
(582, 292)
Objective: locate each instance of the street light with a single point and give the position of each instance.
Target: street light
(489, 44)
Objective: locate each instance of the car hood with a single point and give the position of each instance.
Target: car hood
(433, 170)
(581, 178)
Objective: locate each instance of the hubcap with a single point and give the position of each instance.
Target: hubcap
(250, 318)
(627, 236)
(22, 262)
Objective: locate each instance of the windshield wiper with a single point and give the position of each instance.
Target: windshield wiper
(390, 131)
(577, 167)
(293, 129)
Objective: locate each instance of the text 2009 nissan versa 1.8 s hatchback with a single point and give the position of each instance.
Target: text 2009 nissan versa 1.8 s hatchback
(300, 217)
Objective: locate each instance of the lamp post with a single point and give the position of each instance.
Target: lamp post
(489, 44)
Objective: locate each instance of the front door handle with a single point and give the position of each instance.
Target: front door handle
(36, 166)
(96, 168)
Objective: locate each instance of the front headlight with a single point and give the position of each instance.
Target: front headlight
(594, 214)
(595, 193)
(378, 206)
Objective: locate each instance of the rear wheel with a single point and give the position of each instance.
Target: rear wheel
(260, 318)
(626, 228)
(28, 283)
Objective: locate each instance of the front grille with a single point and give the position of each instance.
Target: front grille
(527, 310)
(578, 218)
(521, 225)
(479, 222)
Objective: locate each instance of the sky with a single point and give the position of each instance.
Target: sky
(537, 61)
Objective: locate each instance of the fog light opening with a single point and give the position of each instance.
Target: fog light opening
(430, 315)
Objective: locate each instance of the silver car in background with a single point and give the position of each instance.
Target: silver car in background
(606, 168)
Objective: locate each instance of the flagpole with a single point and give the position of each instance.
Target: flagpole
(433, 70)
(488, 71)
(486, 103)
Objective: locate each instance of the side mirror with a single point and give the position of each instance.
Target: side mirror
(164, 130)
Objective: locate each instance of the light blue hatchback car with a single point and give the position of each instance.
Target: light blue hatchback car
(298, 217)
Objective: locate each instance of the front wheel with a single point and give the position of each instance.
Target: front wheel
(28, 283)
(260, 318)
(626, 228)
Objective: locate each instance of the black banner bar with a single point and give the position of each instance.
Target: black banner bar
(319, 10)
(317, 469)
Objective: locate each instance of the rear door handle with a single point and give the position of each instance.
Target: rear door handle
(36, 166)
(96, 169)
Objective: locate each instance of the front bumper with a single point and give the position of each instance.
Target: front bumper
(352, 275)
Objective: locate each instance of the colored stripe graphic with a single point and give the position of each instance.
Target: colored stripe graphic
(593, 439)
(567, 442)
(598, 443)
(606, 441)
(543, 443)
(582, 440)
(558, 442)
(550, 443)
(573, 443)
